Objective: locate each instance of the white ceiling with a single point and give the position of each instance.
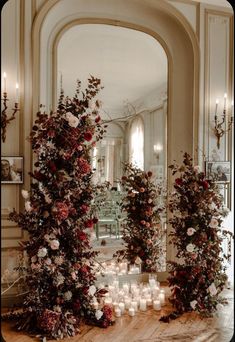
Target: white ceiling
(131, 64)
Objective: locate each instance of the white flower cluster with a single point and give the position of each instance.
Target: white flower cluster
(73, 121)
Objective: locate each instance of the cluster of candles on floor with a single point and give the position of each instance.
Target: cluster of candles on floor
(120, 268)
(133, 297)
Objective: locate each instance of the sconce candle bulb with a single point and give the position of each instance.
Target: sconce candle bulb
(17, 92)
(225, 100)
(4, 82)
(5, 120)
(219, 131)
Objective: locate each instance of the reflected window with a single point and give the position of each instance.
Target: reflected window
(137, 143)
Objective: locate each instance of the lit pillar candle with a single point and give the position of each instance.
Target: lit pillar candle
(115, 305)
(216, 107)
(122, 307)
(108, 300)
(127, 302)
(131, 312)
(157, 305)
(118, 312)
(4, 82)
(225, 99)
(143, 304)
(125, 288)
(162, 298)
(134, 305)
(152, 283)
(17, 92)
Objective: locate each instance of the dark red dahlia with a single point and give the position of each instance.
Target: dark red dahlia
(88, 136)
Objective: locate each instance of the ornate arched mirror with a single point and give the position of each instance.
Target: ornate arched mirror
(133, 69)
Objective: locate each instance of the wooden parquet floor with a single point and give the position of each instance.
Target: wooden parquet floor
(145, 327)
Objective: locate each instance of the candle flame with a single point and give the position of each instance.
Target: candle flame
(225, 95)
(217, 101)
(17, 85)
(4, 75)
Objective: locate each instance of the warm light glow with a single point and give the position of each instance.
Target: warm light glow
(232, 104)
(225, 95)
(217, 101)
(157, 148)
(4, 82)
(137, 144)
(17, 86)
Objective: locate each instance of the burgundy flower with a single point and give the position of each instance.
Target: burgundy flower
(61, 210)
(48, 320)
(84, 208)
(97, 119)
(51, 165)
(89, 224)
(179, 181)
(51, 133)
(95, 220)
(88, 136)
(84, 166)
(82, 236)
(77, 305)
(205, 185)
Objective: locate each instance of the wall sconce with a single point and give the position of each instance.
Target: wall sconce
(157, 149)
(219, 131)
(5, 120)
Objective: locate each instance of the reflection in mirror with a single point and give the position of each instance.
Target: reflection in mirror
(132, 67)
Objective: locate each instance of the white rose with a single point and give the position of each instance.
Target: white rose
(212, 289)
(98, 314)
(28, 206)
(25, 194)
(190, 247)
(42, 252)
(214, 223)
(54, 244)
(92, 290)
(73, 121)
(190, 231)
(193, 304)
(68, 295)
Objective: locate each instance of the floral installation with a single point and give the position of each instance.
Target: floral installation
(57, 216)
(142, 231)
(197, 280)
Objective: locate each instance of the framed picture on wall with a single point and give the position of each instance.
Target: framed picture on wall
(12, 170)
(218, 171)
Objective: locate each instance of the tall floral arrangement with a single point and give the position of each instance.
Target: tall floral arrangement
(198, 278)
(143, 231)
(57, 216)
